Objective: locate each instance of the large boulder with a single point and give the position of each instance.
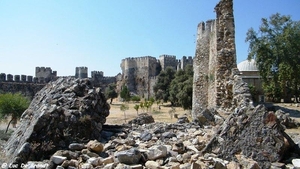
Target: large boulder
(65, 111)
(254, 133)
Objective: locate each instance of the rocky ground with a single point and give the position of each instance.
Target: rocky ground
(163, 144)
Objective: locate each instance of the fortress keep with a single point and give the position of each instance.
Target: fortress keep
(139, 73)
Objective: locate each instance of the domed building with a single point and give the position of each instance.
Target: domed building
(250, 74)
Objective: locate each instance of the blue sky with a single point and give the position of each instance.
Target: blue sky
(98, 34)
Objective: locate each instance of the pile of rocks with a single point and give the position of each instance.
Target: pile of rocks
(63, 112)
(64, 128)
(182, 146)
(153, 145)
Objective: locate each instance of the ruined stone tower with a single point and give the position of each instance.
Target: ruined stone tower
(215, 58)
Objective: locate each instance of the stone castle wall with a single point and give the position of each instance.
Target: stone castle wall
(29, 85)
(215, 58)
(168, 61)
(45, 74)
(185, 61)
(81, 72)
(139, 73)
(136, 73)
(204, 71)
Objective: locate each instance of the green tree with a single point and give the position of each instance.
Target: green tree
(253, 92)
(276, 50)
(162, 86)
(142, 106)
(110, 92)
(148, 104)
(12, 105)
(123, 108)
(136, 107)
(125, 94)
(181, 88)
(135, 98)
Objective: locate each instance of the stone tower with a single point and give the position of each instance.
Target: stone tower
(81, 72)
(168, 61)
(137, 73)
(215, 58)
(45, 74)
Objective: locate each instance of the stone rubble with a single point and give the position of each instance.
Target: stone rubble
(168, 146)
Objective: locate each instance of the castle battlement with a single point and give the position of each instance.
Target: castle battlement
(20, 78)
(44, 74)
(43, 69)
(97, 73)
(81, 72)
(109, 78)
(139, 58)
(205, 28)
(167, 56)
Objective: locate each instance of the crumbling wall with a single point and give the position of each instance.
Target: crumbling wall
(215, 58)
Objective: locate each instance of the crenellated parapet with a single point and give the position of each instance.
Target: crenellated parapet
(97, 75)
(139, 73)
(44, 74)
(184, 61)
(16, 78)
(81, 72)
(168, 61)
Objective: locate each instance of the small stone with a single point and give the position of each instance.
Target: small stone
(95, 146)
(108, 160)
(233, 165)
(151, 164)
(131, 156)
(86, 166)
(76, 146)
(296, 163)
(156, 152)
(94, 161)
(136, 166)
(195, 166)
(58, 159)
(146, 136)
(179, 147)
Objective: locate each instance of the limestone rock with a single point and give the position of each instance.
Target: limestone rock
(131, 156)
(76, 146)
(157, 151)
(142, 118)
(152, 164)
(95, 146)
(256, 134)
(58, 159)
(65, 111)
(296, 163)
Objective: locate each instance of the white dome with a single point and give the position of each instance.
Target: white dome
(247, 65)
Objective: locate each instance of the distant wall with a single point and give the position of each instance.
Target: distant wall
(27, 89)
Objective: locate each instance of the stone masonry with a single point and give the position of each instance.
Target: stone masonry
(139, 73)
(215, 58)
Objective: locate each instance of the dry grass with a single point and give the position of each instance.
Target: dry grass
(163, 114)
